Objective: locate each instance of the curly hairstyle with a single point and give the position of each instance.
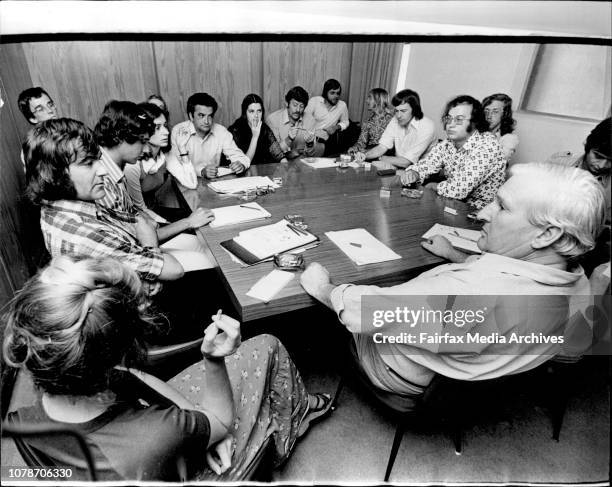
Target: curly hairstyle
(507, 122)
(73, 322)
(49, 148)
(153, 111)
(298, 94)
(477, 119)
(123, 121)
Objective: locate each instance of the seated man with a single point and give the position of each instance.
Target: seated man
(409, 132)
(201, 141)
(122, 132)
(470, 158)
(66, 178)
(36, 106)
(328, 114)
(294, 137)
(543, 217)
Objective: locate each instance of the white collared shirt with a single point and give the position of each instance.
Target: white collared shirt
(410, 141)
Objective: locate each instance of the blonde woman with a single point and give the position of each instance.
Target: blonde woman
(381, 113)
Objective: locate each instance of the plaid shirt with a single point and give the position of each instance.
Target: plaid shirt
(473, 173)
(84, 229)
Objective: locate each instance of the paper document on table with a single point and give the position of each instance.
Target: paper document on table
(319, 162)
(240, 185)
(268, 286)
(383, 165)
(266, 241)
(223, 171)
(230, 215)
(362, 247)
(460, 238)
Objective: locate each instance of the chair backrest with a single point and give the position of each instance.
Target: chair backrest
(34, 457)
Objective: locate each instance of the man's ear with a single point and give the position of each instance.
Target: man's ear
(190, 115)
(547, 237)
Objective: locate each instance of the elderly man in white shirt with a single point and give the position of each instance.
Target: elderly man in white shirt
(409, 132)
(201, 141)
(542, 218)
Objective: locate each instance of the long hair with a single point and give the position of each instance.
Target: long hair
(153, 111)
(412, 98)
(477, 119)
(73, 322)
(249, 99)
(507, 122)
(381, 99)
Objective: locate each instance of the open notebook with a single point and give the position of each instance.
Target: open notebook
(258, 244)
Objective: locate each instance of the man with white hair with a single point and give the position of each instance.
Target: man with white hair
(540, 218)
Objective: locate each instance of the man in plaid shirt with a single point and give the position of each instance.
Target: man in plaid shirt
(66, 178)
(470, 159)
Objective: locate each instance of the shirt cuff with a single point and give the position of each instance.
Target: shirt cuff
(343, 125)
(337, 299)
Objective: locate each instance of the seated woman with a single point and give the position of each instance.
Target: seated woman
(381, 113)
(77, 328)
(498, 112)
(253, 136)
(145, 177)
(158, 101)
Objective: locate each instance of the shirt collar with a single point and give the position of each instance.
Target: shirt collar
(112, 169)
(473, 141)
(73, 206)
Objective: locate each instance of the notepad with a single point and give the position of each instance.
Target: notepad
(268, 286)
(240, 185)
(231, 215)
(319, 162)
(362, 247)
(460, 238)
(223, 171)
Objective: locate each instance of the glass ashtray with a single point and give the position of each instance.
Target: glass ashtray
(289, 262)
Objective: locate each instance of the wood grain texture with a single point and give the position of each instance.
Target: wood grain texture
(226, 70)
(307, 64)
(82, 76)
(331, 199)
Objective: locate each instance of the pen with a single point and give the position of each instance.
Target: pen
(293, 229)
(299, 231)
(355, 244)
(249, 207)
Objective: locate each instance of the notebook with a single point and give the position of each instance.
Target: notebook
(362, 247)
(231, 215)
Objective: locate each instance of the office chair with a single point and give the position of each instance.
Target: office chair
(35, 458)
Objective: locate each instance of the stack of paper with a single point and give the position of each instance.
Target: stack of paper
(230, 215)
(362, 247)
(240, 185)
(319, 162)
(268, 286)
(269, 240)
(460, 238)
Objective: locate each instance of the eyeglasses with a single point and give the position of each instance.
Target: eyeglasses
(41, 108)
(492, 111)
(456, 120)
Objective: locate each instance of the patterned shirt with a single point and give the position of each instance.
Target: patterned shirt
(85, 229)
(411, 141)
(473, 173)
(325, 116)
(207, 151)
(116, 195)
(371, 130)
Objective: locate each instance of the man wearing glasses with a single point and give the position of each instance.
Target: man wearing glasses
(470, 159)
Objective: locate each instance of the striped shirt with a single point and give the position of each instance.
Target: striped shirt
(83, 229)
(116, 195)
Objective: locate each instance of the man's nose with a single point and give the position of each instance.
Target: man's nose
(100, 169)
(485, 213)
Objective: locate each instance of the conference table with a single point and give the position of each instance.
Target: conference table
(329, 199)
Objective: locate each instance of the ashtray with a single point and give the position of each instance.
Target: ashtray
(297, 221)
(289, 262)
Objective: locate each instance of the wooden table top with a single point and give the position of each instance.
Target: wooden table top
(330, 199)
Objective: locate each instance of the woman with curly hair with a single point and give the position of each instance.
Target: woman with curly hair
(498, 112)
(77, 327)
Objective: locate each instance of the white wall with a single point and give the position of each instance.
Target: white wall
(440, 71)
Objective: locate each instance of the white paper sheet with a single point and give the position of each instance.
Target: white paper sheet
(192, 254)
(268, 286)
(273, 239)
(223, 171)
(246, 212)
(362, 247)
(460, 238)
(240, 185)
(319, 162)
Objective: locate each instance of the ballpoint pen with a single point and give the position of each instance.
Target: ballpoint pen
(297, 230)
(249, 207)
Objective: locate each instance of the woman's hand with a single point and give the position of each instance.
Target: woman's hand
(219, 457)
(221, 337)
(255, 127)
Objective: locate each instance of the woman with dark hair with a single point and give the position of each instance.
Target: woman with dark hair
(381, 113)
(253, 136)
(77, 327)
(145, 177)
(498, 113)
